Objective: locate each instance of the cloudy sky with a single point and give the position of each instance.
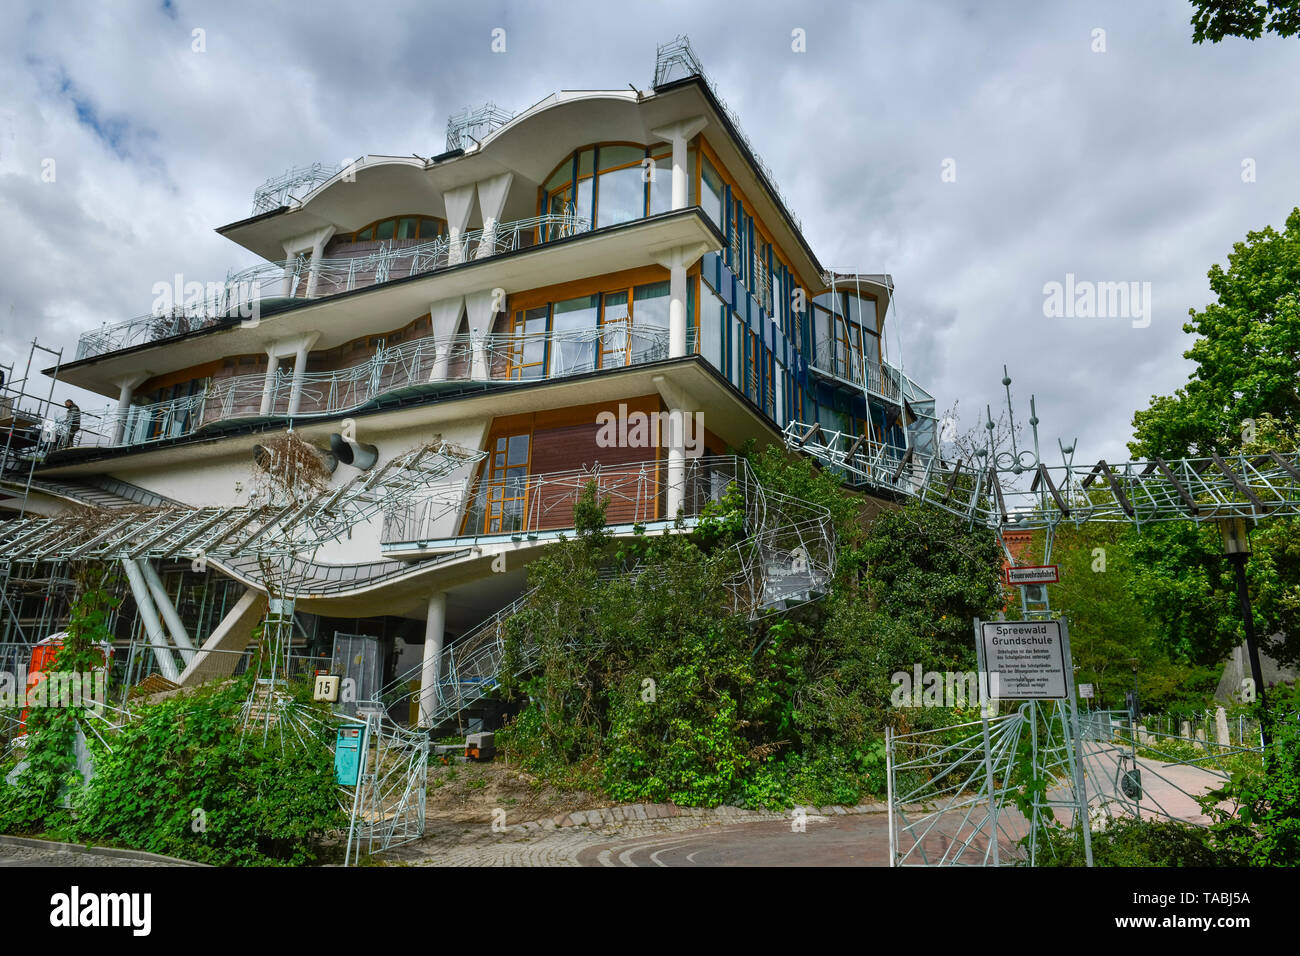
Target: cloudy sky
(977, 151)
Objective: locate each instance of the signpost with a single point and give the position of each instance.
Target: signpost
(1030, 660)
(1037, 574)
(1025, 660)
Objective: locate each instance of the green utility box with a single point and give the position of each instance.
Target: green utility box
(347, 756)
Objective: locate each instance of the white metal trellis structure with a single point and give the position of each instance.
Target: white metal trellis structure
(388, 802)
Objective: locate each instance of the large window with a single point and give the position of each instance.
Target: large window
(609, 330)
(711, 192)
(528, 345)
(425, 228)
(573, 327)
(611, 183)
(500, 506)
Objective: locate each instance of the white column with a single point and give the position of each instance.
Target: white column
(479, 310)
(126, 390)
(299, 370)
(677, 309)
(313, 270)
(286, 284)
(679, 408)
(167, 609)
(491, 201)
(677, 261)
(444, 320)
(458, 201)
(153, 627)
(268, 383)
(431, 671)
(679, 134)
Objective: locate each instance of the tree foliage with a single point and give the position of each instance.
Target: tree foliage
(1247, 354)
(1215, 19)
(652, 687)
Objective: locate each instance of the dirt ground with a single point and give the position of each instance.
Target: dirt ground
(469, 792)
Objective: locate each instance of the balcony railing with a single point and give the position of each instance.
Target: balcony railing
(419, 365)
(851, 366)
(534, 504)
(242, 293)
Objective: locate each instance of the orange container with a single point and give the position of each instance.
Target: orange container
(44, 654)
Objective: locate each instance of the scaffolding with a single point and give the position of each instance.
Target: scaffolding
(278, 190)
(29, 432)
(469, 127)
(676, 60)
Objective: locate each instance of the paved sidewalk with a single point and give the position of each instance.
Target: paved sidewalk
(579, 839)
(25, 851)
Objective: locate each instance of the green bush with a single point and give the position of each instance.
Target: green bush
(652, 688)
(213, 794)
(1261, 819)
(1131, 842)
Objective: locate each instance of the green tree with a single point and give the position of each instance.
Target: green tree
(1112, 600)
(1215, 19)
(1247, 354)
(42, 793)
(1243, 398)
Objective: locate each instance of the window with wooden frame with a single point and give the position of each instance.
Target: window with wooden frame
(610, 183)
(415, 226)
(501, 504)
(526, 355)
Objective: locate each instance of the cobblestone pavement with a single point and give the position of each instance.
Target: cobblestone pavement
(56, 855)
(631, 835)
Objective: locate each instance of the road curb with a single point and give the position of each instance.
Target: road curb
(636, 812)
(112, 852)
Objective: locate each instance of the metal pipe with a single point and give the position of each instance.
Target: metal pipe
(149, 617)
(168, 610)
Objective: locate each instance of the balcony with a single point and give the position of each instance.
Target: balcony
(274, 285)
(419, 366)
(457, 514)
(833, 361)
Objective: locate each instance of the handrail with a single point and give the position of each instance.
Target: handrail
(423, 363)
(855, 368)
(241, 294)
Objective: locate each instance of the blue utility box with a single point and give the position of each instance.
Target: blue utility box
(347, 756)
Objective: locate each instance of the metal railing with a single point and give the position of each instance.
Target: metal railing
(419, 364)
(853, 367)
(242, 293)
(543, 502)
(275, 192)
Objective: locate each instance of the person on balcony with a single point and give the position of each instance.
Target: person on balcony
(71, 424)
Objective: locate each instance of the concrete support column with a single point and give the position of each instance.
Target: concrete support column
(680, 417)
(153, 627)
(491, 201)
(299, 370)
(677, 260)
(481, 312)
(286, 283)
(679, 134)
(677, 310)
(164, 605)
(126, 390)
(313, 270)
(431, 671)
(268, 383)
(444, 319)
(458, 201)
